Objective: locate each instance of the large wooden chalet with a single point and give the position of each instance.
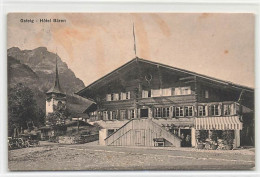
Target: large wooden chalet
(144, 103)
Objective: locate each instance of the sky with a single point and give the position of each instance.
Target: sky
(220, 45)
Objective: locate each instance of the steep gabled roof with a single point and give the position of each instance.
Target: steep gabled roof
(212, 79)
(56, 87)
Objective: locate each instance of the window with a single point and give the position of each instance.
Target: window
(93, 113)
(165, 112)
(177, 91)
(167, 92)
(127, 95)
(156, 93)
(115, 96)
(179, 111)
(162, 112)
(122, 114)
(110, 131)
(215, 110)
(132, 113)
(118, 96)
(105, 115)
(160, 92)
(185, 90)
(188, 110)
(109, 98)
(113, 115)
(123, 96)
(157, 112)
(145, 94)
(206, 94)
(228, 109)
(182, 91)
(202, 110)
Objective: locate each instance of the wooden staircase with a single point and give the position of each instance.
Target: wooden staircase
(141, 132)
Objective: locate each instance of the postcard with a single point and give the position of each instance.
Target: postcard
(130, 91)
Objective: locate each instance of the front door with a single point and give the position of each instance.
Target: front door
(144, 112)
(186, 137)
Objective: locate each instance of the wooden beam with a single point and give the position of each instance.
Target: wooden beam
(160, 76)
(187, 78)
(192, 81)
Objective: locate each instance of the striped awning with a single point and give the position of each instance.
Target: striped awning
(218, 123)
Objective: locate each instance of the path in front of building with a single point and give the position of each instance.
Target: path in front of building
(95, 157)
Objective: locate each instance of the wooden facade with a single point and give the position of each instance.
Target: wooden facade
(141, 132)
(142, 89)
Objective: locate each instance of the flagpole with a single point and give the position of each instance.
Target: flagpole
(134, 39)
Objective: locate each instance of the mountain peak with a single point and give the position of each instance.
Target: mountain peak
(42, 62)
(41, 49)
(13, 49)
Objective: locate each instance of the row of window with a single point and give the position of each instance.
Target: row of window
(113, 115)
(180, 111)
(203, 110)
(154, 93)
(151, 93)
(118, 96)
(166, 92)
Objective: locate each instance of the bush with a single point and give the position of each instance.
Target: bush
(214, 136)
(228, 137)
(203, 135)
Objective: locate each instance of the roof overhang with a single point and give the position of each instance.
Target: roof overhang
(136, 60)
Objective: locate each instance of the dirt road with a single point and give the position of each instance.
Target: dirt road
(94, 157)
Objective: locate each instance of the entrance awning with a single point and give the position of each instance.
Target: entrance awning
(218, 123)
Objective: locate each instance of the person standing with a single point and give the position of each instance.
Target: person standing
(188, 140)
(182, 140)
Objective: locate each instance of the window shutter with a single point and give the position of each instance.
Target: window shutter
(109, 115)
(173, 111)
(173, 91)
(207, 110)
(233, 112)
(189, 91)
(128, 114)
(104, 116)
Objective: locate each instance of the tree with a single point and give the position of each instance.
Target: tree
(22, 108)
(57, 119)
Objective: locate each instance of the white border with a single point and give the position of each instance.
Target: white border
(226, 6)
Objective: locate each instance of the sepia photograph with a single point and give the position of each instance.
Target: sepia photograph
(131, 91)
